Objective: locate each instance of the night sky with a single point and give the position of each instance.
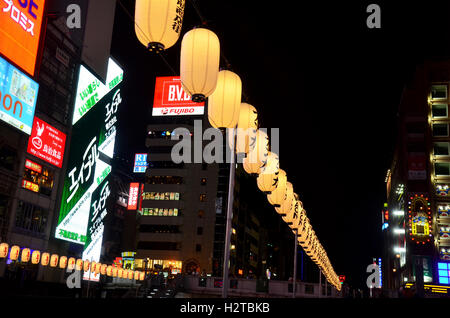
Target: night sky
(330, 84)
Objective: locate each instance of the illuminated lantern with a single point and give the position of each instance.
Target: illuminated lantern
(109, 270)
(130, 274)
(71, 263)
(25, 257)
(4, 248)
(103, 269)
(54, 260)
(120, 273)
(286, 205)
(136, 275)
(295, 214)
(93, 266)
(277, 196)
(35, 257)
(45, 259)
(79, 264)
(257, 157)
(246, 128)
(158, 22)
(199, 63)
(86, 265)
(114, 271)
(141, 275)
(98, 268)
(14, 253)
(224, 104)
(267, 180)
(63, 262)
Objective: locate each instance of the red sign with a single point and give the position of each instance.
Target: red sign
(133, 196)
(171, 99)
(33, 166)
(47, 143)
(20, 29)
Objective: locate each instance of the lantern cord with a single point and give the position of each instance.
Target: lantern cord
(148, 40)
(202, 18)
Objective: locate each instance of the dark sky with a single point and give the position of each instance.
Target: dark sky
(331, 85)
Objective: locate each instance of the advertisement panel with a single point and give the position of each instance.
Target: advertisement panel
(133, 196)
(86, 183)
(47, 143)
(140, 163)
(417, 165)
(18, 95)
(170, 99)
(20, 29)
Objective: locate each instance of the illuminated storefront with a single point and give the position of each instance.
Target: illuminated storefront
(171, 266)
(167, 196)
(37, 178)
(159, 212)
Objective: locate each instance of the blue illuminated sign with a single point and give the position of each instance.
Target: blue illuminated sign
(140, 163)
(444, 273)
(18, 95)
(384, 226)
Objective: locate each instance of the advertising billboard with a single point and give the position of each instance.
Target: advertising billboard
(170, 99)
(86, 183)
(18, 95)
(20, 29)
(133, 196)
(140, 163)
(47, 143)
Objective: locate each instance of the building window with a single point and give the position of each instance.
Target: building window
(164, 180)
(439, 91)
(37, 178)
(198, 248)
(439, 110)
(201, 213)
(31, 218)
(199, 230)
(159, 246)
(203, 181)
(440, 130)
(441, 149)
(442, 169)
(444, 273)
(8, 157)
(202, 197)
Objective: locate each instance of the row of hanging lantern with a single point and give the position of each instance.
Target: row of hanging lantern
(158, 25)
(62, 262)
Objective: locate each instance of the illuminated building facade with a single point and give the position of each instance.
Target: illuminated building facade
(177, 215)
(415, 219)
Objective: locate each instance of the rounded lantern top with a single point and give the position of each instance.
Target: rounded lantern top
(199, 63)
(224, 104)
(158, 22)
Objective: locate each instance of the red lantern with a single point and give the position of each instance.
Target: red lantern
(14, 253)
(103, 269)
(109, 270)
(4, 248)
(79, 264)
(141, 276)
(114, 271)
(98, 267)
(35, 257)
(130, 274)
(136, 275)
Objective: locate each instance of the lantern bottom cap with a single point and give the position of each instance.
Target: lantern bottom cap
(155, 46)
(198, 98)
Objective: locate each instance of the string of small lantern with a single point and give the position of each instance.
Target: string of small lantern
(55, 261)
(159, 28)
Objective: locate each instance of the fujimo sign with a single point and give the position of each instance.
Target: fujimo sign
(170, 99)
(47, 143)
(20, 28)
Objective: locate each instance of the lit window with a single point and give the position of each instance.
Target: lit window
(444, 273)
(440, 130)
(439, 91)
(439, 110)
(202, 197)
(37, 178)
(203, 181)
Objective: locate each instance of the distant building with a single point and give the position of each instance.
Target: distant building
(416, 219)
